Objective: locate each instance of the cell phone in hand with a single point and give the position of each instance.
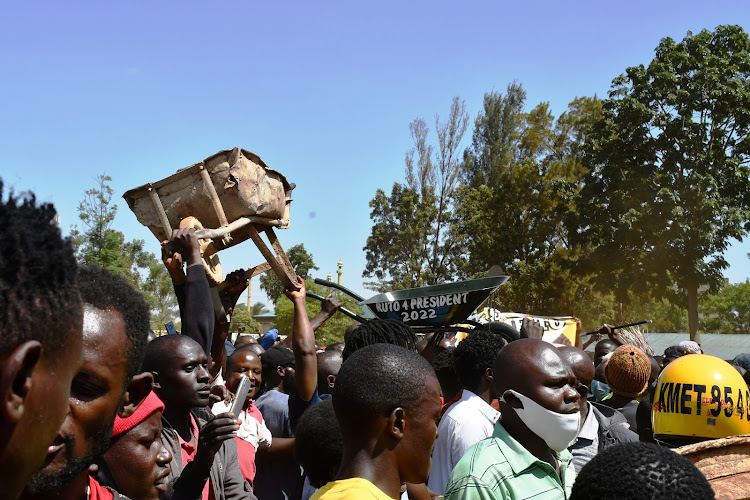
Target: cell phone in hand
(240, 396)
(170, 328)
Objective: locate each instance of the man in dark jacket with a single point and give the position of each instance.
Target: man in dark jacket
(205, 455)
(601, 426)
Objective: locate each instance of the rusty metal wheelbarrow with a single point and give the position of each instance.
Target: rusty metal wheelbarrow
(228, 198)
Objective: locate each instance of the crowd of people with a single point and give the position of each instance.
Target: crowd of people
(95, 406)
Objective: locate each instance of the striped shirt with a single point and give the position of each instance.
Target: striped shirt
(500, 468)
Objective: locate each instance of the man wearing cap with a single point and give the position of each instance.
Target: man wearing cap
(276, 477)
(300, 383)
(689, 347)
(670, 354)
(269, 339)
(627, 373)
(129, 466)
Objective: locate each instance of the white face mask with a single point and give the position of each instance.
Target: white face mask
(558, 430)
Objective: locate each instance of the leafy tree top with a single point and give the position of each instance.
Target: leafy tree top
(669, 185)
(303, 264)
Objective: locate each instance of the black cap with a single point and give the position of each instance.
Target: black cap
(277, 356)
(672, 352)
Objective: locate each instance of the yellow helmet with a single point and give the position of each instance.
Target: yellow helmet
(700, 397)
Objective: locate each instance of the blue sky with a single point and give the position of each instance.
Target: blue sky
(323, 91)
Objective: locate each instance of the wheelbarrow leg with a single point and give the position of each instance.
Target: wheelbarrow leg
(281, 266)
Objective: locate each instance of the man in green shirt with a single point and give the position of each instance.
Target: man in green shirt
(526, 455)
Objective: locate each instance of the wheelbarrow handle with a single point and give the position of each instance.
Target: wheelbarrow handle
(331, 284)
(343, 310)
(622, 326)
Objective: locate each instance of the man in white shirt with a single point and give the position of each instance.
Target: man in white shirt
(471, 418)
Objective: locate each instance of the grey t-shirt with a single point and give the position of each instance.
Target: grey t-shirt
(277, 479)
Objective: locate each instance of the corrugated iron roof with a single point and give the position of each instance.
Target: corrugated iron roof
(721, 346)
(269, 315)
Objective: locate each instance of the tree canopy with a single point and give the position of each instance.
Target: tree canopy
(302, 262)
(97, 243)
(728, 311)
(410, 243)
(669, 185)
(331, 331)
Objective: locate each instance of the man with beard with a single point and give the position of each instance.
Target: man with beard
(205, 463)
(526, 455)
(40, 345)
(115, 321)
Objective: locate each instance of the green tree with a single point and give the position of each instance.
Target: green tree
(331, 331)
(258, 308)
(409, 244)
(494, 143)
(728, 311)
(97, 243)
(242, 317)
(669, 185)
(301, 261)
(159, 292)
(523, 173)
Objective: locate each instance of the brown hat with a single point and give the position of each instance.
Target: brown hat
(627, 371)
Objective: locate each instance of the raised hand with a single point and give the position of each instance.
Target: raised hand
(531, 329)
(331, 304)
(298, 293)
(231, 289)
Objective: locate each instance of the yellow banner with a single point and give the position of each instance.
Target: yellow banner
(557, 329)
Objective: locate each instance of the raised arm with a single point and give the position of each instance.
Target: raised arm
(229, 291)
(303, 345)
(327, 309)
(197, 312)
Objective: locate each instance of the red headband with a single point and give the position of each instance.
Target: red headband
(151, 404)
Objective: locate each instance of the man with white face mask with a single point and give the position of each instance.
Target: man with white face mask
(526, 456)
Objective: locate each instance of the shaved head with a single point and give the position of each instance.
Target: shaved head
(256, 348)
(329, 364)
(238, 356)
(535, 369)
(162, 348)
(579, 361)
(245, 340)
(583, 369)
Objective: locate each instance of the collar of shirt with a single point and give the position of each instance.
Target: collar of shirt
(519, 457)
(188, 448)
(480, 404)
(96, 491)
(590, 428)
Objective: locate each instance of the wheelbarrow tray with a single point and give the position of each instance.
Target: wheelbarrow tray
(726, 464)
(436, 305)
(244, 184)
